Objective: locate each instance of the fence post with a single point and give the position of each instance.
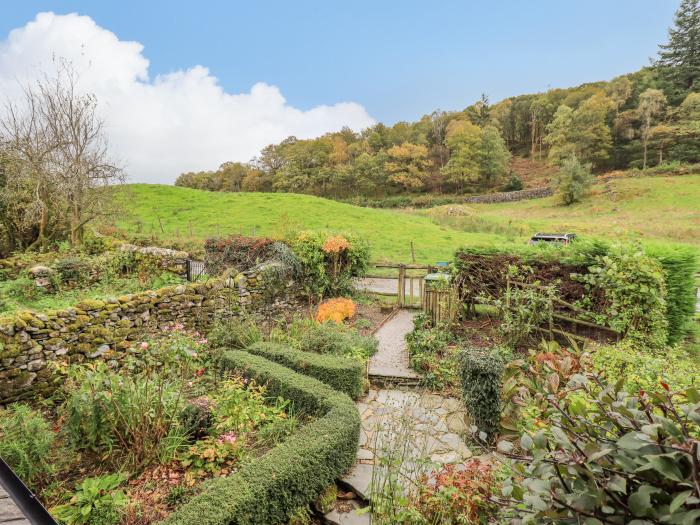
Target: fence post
(402, 285)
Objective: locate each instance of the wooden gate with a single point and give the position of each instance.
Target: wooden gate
(409, 292)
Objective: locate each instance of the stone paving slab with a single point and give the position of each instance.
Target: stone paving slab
(436, 425)
(391, 359)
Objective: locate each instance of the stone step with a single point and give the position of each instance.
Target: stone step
(348, 515)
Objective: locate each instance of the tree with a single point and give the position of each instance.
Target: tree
(560, 136)
(58, 146)
(406, 165)
(680, 57)
(573, 181)
(652, 104)
(619, 91)
(494, 157)
(582, 132)
(464, 141)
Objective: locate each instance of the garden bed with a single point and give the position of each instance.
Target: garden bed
(129, 447)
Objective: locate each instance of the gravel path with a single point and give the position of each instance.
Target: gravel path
(391, 359)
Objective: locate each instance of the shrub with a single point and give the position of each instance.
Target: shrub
(573, 181)
(610, 457)
(269, 489)
(26, 443)
(96, 502)
(514, 183)
(196, 418)
(235, 333)
(136, 414)
(458, 496)
(327, 338)
(640, 370)
(481, 377)
(635, 295)
(73, 270)
(428, 348)
(345, 375)
(336, 310)
(329, 262)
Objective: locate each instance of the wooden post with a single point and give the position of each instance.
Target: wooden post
(161, 225)
(413, 253)
(401, 286)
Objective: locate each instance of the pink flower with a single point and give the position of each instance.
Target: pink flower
(229, 437)
(194, 354)
(144, 346)
(202, 341)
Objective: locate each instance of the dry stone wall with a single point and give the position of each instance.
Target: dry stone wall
(32, 344)
(510, 196)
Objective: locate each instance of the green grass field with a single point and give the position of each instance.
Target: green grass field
(652, 208)
(187, 213)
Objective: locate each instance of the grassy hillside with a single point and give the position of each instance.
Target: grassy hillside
(654, 208)
(184, 212)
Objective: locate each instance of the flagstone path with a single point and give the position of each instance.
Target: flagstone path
(426, 426)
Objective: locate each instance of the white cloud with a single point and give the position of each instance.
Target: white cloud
(177, 122)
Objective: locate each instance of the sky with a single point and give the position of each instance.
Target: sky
(188, 85)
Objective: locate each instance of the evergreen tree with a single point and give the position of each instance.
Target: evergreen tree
(681, 55)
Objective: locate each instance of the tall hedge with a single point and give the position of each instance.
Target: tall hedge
(267, 490)
(342, 373)
(680, 264)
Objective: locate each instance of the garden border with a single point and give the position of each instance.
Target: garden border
(270, 488)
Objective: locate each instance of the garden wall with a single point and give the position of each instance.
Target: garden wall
(32, 344)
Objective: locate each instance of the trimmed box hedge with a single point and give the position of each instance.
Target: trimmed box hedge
(267, 490)
(342, 373)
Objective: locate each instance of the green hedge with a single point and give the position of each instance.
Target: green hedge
(342, 373)
(267, 490)
(680, 264)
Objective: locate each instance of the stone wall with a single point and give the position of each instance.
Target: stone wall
(174, 261)
(510, 196)
(32, 343)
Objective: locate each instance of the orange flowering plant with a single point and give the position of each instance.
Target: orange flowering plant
(336, 310)
(330, 261)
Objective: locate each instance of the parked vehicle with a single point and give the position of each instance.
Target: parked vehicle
(565, 238)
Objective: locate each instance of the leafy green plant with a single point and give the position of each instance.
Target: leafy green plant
(326, 338)
(27, 443)
(240, 406)
(212, 456)
(96, 502)
(573, 181)
(635, 294)
(524, 308)
(432, 353)
(137, 414)
(610, 457)
(235, 332)
(640, 370)
(481, 374)
(329, 262)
